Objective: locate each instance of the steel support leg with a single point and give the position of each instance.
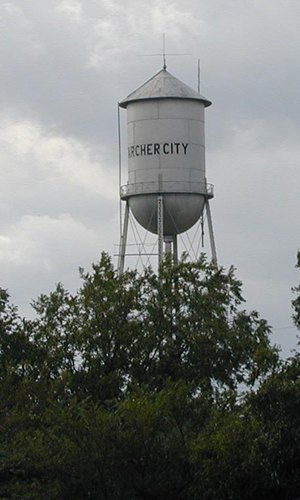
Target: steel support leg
(175, 249)
(123, 240)
(211, 233)
(160, 228)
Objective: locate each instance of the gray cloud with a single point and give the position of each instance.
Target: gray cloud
(65, 64)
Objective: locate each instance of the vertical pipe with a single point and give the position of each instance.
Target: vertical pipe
(211, 233)
(168, 245)
(123, 240)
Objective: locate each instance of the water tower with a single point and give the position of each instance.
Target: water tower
(167, 191)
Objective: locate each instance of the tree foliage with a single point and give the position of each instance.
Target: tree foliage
(145, 387)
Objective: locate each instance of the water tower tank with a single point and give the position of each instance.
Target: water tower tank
(166, 154)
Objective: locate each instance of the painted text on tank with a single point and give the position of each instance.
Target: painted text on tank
(166, 148)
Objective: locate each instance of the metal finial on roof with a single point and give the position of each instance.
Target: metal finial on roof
(164, 52)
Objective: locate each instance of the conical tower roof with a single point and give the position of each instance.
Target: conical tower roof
(163, 85)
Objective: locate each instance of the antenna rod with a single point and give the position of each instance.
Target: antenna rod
(198, 76)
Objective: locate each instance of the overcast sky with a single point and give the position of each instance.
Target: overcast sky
(64, 64)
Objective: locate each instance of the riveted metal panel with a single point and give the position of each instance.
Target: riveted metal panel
(162, 130)
(143, 110)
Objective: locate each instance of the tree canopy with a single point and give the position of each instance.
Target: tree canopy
(145, 386)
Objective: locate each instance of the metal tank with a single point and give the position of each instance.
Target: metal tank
(167, 188)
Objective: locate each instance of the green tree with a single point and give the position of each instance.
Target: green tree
(130, 388)
(253, 450)
(296, 301)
